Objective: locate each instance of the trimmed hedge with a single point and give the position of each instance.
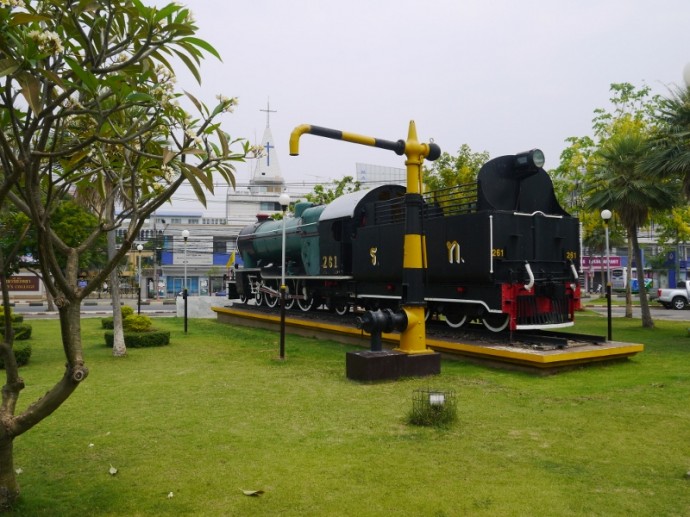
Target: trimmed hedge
(16, 318)
(22, 331)
(22, 354)
(140, 339)
(125, 310)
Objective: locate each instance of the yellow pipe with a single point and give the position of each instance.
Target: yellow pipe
(294, 138)
(413, 338)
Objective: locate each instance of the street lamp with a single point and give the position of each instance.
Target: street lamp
(606, 216)
(284, 201)
(139, 249)
(185, 236)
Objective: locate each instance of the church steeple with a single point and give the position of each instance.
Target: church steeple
(267, 176)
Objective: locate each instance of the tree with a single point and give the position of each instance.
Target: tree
(618, 182)
(88, 109)
(669, 145)
(451, 171)
(322, 195)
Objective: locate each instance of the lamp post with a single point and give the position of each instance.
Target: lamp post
(284, 201)
(185, 236)
(139, 249)
(606, 215)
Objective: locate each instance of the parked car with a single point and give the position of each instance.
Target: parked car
(677, 298)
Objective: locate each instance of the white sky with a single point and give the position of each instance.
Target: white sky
(499, 75)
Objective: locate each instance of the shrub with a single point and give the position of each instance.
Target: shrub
(22, 331)
(137, 323)
(141, 339)
(22, 354)
(125, 310)
(16, 318)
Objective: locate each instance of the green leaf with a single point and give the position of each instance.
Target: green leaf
(25, 18)
(192, 68)
(166, 11)
(52, 77)
(139, 97)
(196, 102)
(167, 156)
(8, 66)
(203, 44)
(223, 142)
(31, 90)
(189, 176)
(87, 78)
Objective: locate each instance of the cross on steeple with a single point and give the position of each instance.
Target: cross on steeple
(268, 148)
(268, 111)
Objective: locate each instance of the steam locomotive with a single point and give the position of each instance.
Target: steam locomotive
(500, 250)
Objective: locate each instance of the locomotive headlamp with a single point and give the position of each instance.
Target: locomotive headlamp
(533, 159)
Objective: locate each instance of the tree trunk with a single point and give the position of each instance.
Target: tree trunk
(9, 489)
(119, 348)
(12, 425)
(51, 303)
(647, 320)
(632, 238)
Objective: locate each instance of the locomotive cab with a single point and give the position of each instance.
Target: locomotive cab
(345, 228)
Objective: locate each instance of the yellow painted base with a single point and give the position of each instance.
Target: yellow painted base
(543, 360)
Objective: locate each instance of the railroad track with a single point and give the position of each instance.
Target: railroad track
(470, 333)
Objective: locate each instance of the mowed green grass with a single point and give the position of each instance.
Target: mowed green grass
(191, 425)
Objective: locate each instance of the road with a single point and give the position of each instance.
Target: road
(94, 308)
(658, 312)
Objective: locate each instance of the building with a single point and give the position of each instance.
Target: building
(209, 251)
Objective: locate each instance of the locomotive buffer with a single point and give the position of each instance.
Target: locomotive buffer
(412, 358)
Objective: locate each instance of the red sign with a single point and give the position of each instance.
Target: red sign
(600, 262)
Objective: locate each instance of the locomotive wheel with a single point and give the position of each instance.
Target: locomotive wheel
(307, 301)
(496, 322)
(341, 309)
(291, 288)
(455, 319)
(271, 300)
(243, 298)
(259, 298)
(305, 304)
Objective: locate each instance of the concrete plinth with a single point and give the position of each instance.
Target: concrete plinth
(390, 364)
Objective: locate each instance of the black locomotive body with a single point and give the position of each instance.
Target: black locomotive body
(500, 250)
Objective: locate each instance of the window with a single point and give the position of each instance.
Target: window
(221, 244)
(270, 205)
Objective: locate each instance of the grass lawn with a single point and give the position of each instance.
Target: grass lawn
(190, 425)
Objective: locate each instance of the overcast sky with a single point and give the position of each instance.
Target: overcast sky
(501, 76)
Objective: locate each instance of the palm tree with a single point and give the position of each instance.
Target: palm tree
(669, 147)
(621, 186)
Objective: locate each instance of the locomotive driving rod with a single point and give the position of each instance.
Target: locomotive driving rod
(413, 337)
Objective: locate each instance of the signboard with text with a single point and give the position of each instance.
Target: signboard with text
(199, 252)
(600, 262)
(23, 283)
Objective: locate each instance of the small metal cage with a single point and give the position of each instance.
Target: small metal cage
(433, 407)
